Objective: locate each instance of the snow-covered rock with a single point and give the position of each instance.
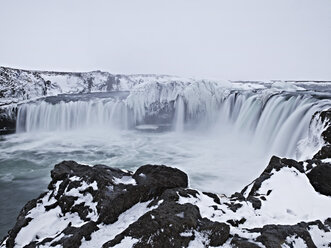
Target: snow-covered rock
(101, 206)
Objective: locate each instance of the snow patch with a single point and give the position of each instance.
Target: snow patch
(124, 180)
(320, 237)
(127, 242)
(294, 241)
(109, 232)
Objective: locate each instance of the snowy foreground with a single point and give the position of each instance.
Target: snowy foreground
(288, 205)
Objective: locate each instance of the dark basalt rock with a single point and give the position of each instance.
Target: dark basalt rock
(112, 198)
(239, 242)
(7, 121)
(158, 178)
(173, 225)
(73, 235)
(326, 117)
(272, 236)
(151, 182)
(234, 206)
(72, 239)
(320, 178)
(279, 163)
(236, 223)
(214, 196)
(325, 152)
(255, 202)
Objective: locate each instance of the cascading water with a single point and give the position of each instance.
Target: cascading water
(72, 115)
(275, 121)
(278, 121)
(179, 115)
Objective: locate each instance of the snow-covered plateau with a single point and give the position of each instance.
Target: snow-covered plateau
(221, 133)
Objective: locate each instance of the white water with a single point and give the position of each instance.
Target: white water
(179, 117)
(72, 115)
(274, 122)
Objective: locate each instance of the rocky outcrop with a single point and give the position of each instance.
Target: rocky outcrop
(325, 151)
(17, 85)
(295, 235)
(326, 118)
(320, 178)
(101, 206)
(85, 197)
(8, 120)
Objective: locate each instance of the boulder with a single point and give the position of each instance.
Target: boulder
(320, 178)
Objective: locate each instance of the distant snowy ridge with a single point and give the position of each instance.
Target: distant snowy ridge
(18, 85)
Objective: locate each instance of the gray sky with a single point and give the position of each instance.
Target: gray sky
(235, 39)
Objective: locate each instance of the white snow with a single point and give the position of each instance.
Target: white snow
(108, 232)
(294, 241)
(38, 228)
(86, 198)
(59, 237)
(200, 241)
(287, 86)
(74, 178)
(186, 234)
(291, 201)
(124, 180)
(320, 237)
(126, 242)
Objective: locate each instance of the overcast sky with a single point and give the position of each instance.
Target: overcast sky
(234, 39)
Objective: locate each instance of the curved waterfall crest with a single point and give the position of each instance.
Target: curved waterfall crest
(276, 118)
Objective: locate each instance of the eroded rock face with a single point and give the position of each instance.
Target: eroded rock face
(326, 117)
(8, 120)
(101, 206)
(325, 151)
(320, 178)
(82, 199)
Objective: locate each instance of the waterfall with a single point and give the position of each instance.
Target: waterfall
(72, 115)
(275, 120)
(179, 115)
